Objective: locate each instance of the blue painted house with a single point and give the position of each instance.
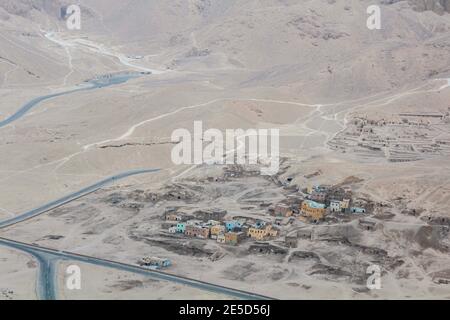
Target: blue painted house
(181, 227)
(231, 225)
(259, 224)
(357, 210)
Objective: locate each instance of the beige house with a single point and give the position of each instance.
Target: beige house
(197, 232)
(234, 237)
(216, 230)
(261, 234)
(312, 209)
(221, 238)
(345, 204)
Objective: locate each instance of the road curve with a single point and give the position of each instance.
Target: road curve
(50, 254)
(32, 103)
(71, 197)
(46, 279)
(102, 82)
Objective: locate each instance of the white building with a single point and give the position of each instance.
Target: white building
(173, 230)
(221, 238)
(335, 206)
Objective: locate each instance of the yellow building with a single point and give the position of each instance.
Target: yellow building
(273, 233)
(313, 209)
(257, 234)
(261, 234)
(345, 204)
(216, 230)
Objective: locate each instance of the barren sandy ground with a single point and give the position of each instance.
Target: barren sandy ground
(106, 284)
(309, 69)
(127, 235)
(18, 277)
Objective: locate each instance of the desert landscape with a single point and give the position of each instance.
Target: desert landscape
(86, 137)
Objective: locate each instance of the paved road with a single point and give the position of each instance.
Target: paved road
(46, 279)
(47, 258)
(101, 82)
(46, 283)
(71, 197)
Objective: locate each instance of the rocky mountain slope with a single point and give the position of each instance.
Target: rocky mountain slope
(322, 47)
(438, 6)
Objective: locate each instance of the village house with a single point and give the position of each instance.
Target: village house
(197, 232)
(216, 231)
(221, 238)
(357, 210)
(234, 238)
(257, 234)
(259, 224)
(169, 212)
(345, 204)
(181, 227)
(232, 225)
(312, 209)
(262, 233)
(322, 188)
(283, 210)
(155, 262)
(335, 206)
(272, 232)
(173, 217)
(190, 230)
(173, 230)
(318, 196)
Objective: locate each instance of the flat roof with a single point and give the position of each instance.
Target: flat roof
(315, 205)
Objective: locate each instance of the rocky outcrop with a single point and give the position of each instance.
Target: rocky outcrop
(24, 8)
(437, 6)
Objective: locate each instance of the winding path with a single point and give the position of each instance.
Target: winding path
(91, 85)
(47, 258)
(71, 197)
